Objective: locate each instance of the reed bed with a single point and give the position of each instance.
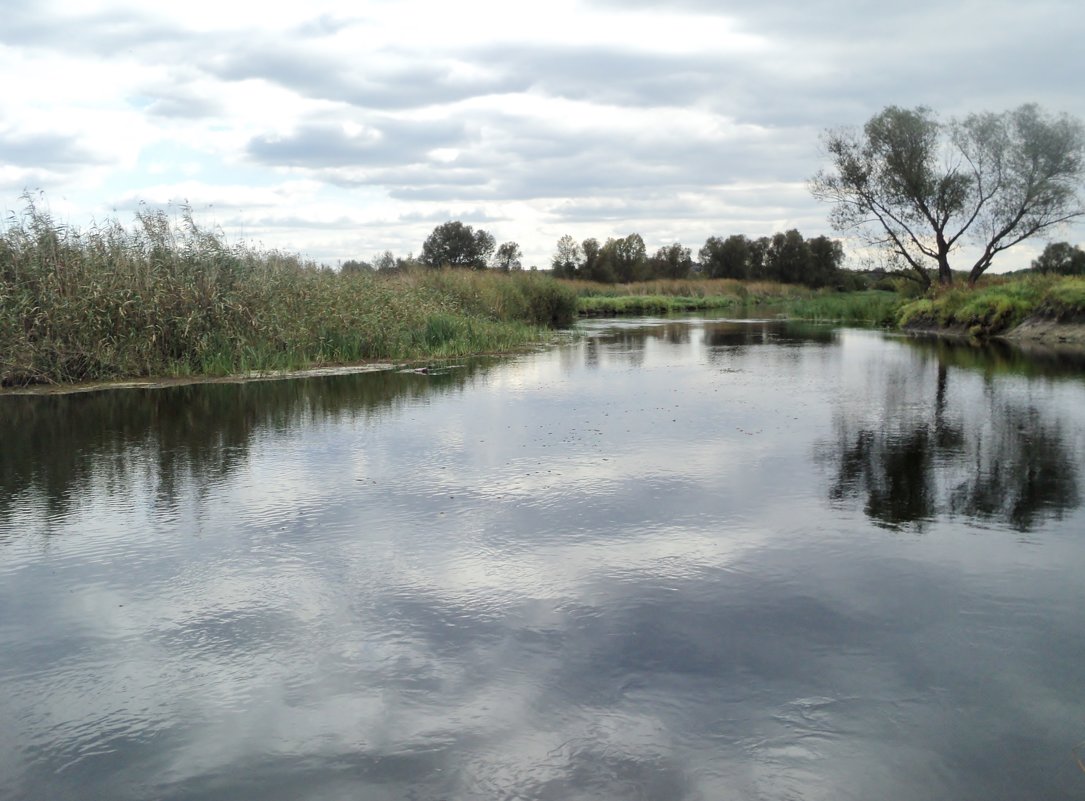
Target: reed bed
(167, 297)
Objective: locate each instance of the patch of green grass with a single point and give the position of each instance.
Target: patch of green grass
(1064, 299)
(653, 304)
(871, 307)
(998, 305)
(667, 296)
(514, 296)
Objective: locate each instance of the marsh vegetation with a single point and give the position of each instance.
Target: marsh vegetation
(169, 297)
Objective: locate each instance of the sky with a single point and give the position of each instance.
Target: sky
(340, 130)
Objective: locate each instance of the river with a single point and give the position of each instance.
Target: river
(673, 559)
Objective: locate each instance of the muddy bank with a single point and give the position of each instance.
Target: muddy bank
(160, 383)
(1048, 332)
(1033, 331)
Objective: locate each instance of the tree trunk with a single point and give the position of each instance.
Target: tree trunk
(945, 274)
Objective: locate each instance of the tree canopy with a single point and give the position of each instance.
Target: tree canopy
(787, 257)
(508, 257)
(1061, 258)
(453, 244)
(672, 261)
(922, 188)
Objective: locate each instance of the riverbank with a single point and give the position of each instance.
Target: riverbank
(1048, 332)
(170, 300)
(1032, 308)
(679, 295)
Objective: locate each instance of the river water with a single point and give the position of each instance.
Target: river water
(674, 559)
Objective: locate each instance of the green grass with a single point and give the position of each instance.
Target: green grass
(653, 304)
(662, 297)
(168, 298)
(998, 305)
(667, 296)
(871, 307)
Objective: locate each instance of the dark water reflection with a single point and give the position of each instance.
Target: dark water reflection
(674, 560)
(917, 456)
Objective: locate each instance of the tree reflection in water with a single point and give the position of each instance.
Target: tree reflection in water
(55, 446)
(986, 453)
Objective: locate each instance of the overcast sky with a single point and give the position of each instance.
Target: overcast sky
(343, 129)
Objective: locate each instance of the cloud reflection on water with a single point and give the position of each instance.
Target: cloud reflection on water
(612, 570)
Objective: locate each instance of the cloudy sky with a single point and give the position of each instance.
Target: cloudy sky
(343, 129)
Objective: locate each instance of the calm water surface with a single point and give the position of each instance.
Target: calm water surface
(673, 560)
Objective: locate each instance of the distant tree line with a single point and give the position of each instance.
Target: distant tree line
(786, 257)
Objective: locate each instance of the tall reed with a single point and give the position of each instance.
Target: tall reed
(169, 297)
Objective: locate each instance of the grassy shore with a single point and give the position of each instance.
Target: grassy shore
(869, 307)
(663, 297)
(993, 308)
(169, 298)
(997, 305)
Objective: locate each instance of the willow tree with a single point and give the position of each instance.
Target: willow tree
(922, 189)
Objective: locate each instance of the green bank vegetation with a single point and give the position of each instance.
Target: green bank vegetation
(169, 298)
(861, 307)
(993, 307)
(665, 296)
(998, 305)
(166, 297)
(867, 307)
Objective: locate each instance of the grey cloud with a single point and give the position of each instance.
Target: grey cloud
(29, 180)
(621, 76)
(445, 182)
(309, 72)
(583, 167)
(182, 104)
(834, 61)
(46, 150)
(473, 215)
(656, 206)
(296, 64)
(103, 33)
(833, 18)
(322, 145)
(522, 158)
(746, 88)
(294, 221)
(325, 25)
